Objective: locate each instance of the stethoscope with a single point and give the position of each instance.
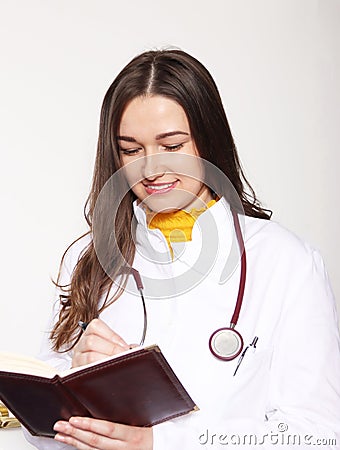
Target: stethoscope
(225, 343)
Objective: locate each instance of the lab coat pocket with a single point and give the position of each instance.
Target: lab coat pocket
(251, 382)
(253, 362)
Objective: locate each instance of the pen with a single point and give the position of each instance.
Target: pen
(253, 344)
(83, 325)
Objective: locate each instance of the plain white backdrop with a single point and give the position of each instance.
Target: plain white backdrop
(276, 62)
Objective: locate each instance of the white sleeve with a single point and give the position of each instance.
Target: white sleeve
(44, 443)
(303, 406)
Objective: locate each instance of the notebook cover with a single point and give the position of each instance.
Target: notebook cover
(137, 388)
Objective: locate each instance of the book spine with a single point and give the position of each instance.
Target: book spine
(76, 407)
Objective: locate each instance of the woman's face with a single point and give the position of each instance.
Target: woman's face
(159, 156)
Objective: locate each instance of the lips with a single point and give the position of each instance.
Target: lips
(159, 188)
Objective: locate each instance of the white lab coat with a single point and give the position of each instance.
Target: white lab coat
(289, 385)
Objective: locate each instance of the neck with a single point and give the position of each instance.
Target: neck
(176, 226)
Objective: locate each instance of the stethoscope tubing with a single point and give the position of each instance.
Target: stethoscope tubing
(243, 274)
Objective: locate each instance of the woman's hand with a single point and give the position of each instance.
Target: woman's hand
(93, 434)
(97, 342)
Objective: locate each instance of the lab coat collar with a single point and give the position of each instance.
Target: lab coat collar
(219, 208)
(217, 256)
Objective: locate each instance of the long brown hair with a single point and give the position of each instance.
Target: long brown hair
(180, 77)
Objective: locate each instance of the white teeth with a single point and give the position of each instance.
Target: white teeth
(159, 187)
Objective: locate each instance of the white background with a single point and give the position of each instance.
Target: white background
(276, 62)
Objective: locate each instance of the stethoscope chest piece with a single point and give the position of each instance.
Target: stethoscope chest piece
(226, 344)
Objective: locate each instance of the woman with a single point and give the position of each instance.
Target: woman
(167, 175)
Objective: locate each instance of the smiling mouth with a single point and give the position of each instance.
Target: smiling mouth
(160, 188)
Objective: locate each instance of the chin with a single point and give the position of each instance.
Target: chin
(168, 203)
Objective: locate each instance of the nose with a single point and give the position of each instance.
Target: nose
(152, 167)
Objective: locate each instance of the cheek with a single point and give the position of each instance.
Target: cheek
(133, 172)
(139, 191)
(192, 185)
(172, 201)
(191, 168)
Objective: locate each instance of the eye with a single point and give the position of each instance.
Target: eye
(173, 148)
(128, 151)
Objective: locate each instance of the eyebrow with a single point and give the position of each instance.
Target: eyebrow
(158, 137)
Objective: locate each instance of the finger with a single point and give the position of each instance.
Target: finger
(90, 352)
(95, 343)
(114, 435)
(101, 427)
(84, 438)
(87, 434)
(82, 359)
(133, 345)
(101, 329)
(112, 430)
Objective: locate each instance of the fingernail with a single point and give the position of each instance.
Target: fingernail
(60, 437)
(58, 426)
(75, 421)
(118, 343)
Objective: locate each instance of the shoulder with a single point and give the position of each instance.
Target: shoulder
(273, 235)
(274, 243)
(295, 268)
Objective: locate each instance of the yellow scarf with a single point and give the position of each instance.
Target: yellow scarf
(175, 226)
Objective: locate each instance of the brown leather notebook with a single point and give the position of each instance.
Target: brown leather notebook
(136, 388)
